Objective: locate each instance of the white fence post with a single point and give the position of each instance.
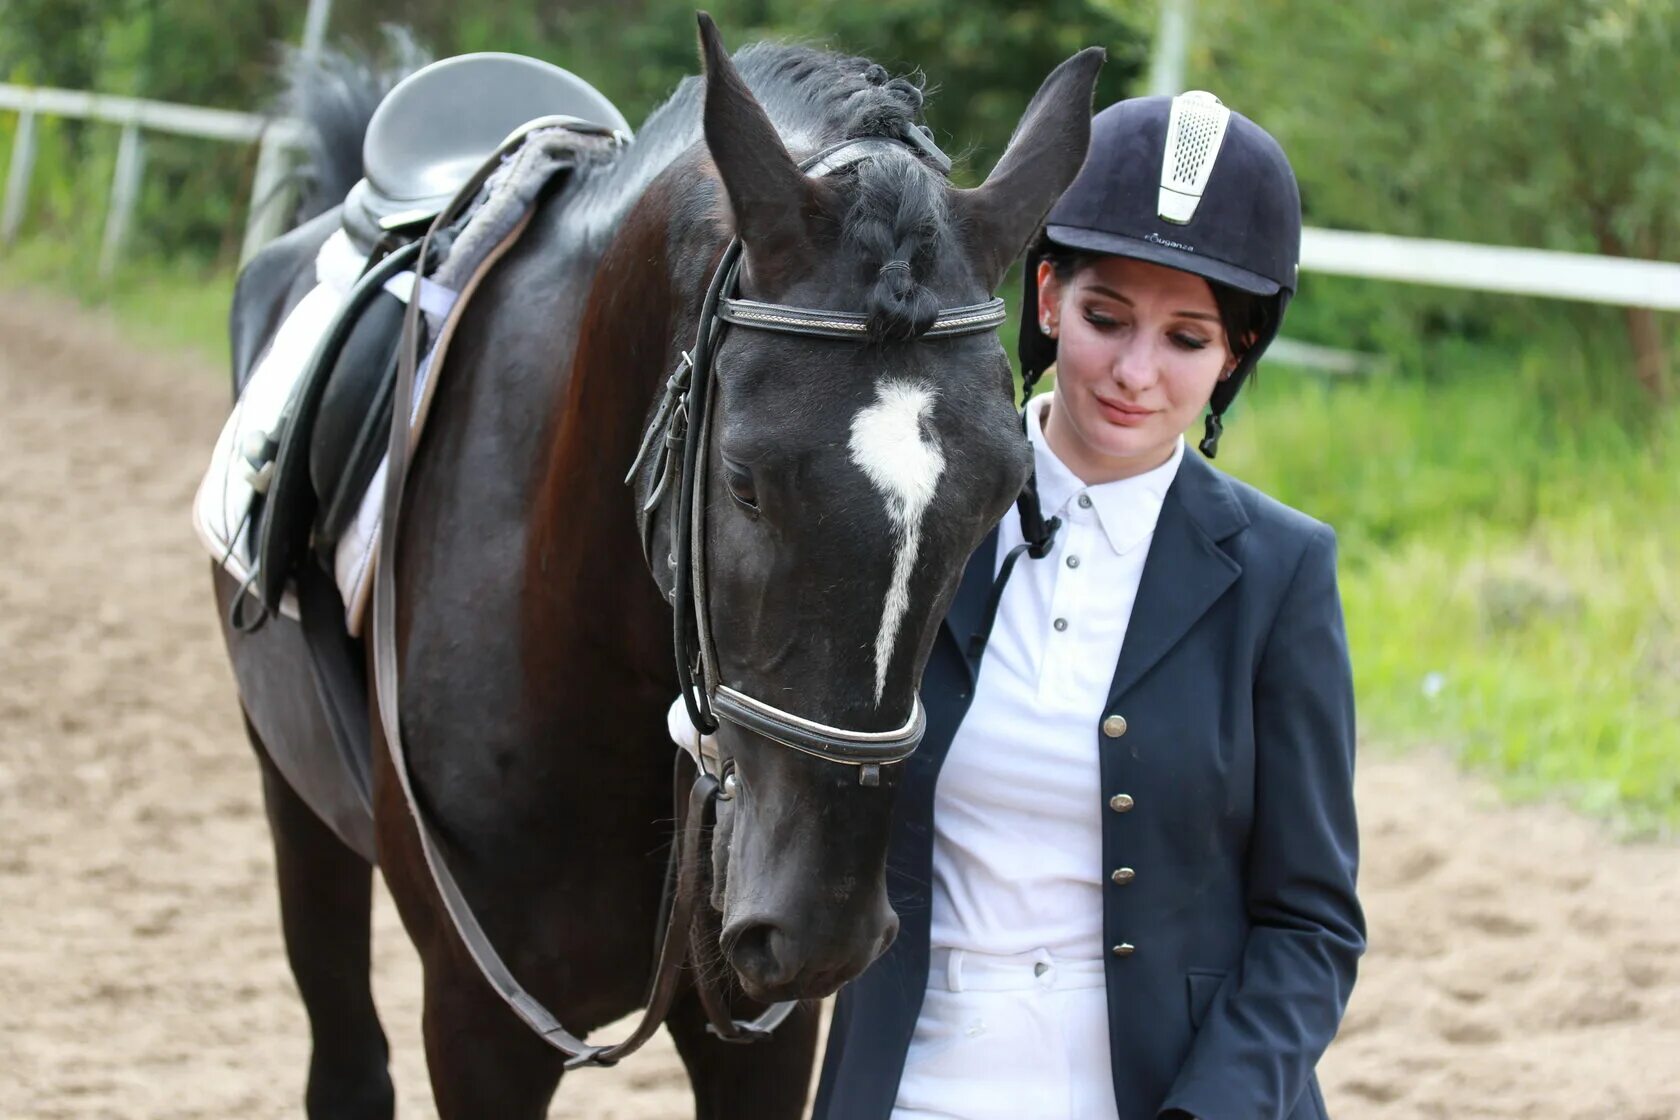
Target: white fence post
(1172, 48)
(125, 192)
(270, 198)
(315, 26)
(17, 177)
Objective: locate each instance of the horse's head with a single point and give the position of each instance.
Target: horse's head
(846, 484)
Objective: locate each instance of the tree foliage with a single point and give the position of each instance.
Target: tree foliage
(1547, 123)
(1541, 123)
(982, 59)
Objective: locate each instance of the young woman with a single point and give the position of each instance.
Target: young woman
(1124, 853)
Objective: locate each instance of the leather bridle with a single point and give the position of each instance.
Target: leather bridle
(676, 442)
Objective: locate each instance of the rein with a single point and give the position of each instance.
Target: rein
(693, 811)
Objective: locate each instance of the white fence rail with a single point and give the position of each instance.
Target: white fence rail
(134, 115)
(156, 116)
(1450, 264)
(1494, 268)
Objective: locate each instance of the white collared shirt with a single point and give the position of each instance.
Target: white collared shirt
(1017, 851)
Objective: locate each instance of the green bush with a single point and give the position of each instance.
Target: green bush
(1510, 565)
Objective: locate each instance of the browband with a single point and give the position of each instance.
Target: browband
(849, 324)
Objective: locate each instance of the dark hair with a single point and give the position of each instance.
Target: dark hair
(899, 222)
(1243, 314)
(898, 219)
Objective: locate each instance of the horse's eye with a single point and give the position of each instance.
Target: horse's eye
(740, 482)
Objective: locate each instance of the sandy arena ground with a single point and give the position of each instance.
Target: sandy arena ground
(1522, 964)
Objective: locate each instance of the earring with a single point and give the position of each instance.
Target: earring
(1047, 327)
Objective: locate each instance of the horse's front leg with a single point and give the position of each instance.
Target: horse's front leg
(768, 1080)
(483, 1061)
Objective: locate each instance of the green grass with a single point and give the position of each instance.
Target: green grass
(1510, 554)
(173, 305)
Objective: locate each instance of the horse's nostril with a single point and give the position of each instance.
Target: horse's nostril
(760, 951)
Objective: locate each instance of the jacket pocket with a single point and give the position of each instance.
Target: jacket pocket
(1203, 985)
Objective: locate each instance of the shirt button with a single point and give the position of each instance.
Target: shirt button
(1124, 949)
(1060, 624)
(1113, 726)
(1122, 876)
(1121, 803)
(1084, 501)
(1073, 561)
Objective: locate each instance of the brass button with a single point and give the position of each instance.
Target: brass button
(1124, 949)
(1114, 726)
(1121, 803)
(1123, 875)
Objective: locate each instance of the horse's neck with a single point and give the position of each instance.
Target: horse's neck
(583, 525)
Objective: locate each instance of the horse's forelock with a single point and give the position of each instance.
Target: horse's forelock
(900, 224)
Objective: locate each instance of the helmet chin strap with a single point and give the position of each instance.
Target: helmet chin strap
(1038, 536)
(1212, 429)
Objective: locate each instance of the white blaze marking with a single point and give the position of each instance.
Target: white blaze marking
(887, 445)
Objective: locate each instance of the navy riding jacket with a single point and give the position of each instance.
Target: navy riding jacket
(1229, 791)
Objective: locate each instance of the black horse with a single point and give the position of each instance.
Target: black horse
(848, 483)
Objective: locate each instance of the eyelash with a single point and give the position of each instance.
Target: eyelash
(1183, 341)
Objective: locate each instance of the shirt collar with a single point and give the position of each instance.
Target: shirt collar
(1126, 509)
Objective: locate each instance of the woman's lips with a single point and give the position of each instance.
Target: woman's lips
(1126, 415)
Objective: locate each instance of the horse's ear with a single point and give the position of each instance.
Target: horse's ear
(1043, 157)
(768, 194)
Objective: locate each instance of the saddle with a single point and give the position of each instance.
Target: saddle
(429, 135)
(438, 125)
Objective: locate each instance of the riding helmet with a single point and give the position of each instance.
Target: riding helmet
(1187, 183)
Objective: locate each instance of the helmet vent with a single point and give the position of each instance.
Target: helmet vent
(1195, 131)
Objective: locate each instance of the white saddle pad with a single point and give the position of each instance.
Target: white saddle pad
(222, 507)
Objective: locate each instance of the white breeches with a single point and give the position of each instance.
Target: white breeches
(1009, 1037)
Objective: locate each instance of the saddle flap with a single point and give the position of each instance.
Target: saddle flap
(289, 506)
(354, 420)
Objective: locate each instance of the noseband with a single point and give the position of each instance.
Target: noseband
(681, 431)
